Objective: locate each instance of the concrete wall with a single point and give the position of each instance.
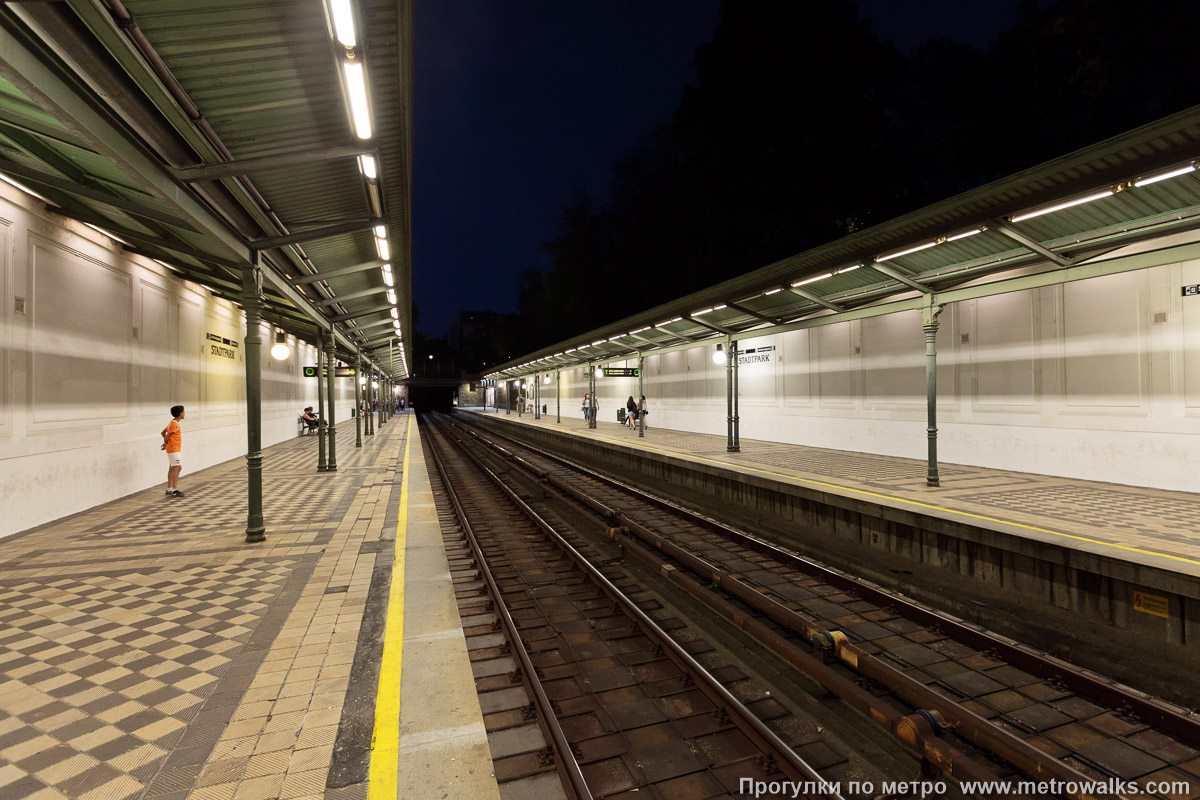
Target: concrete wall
(96, 345)
(1098, 379)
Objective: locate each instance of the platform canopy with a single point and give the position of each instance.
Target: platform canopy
(210, 135)
(1069, 219)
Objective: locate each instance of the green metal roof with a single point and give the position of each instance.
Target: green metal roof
(238, 80)
(870, 271)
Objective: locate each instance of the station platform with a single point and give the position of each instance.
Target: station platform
(994, 546)
(147, 651)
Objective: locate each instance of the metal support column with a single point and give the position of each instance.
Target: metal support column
(728, 398)
(358, 403)
(929, 322)
(595, 406)
(737, 424)
(537, 396)
(252, 302)
(641, 405)
(370, 406)
(557, 396)
(381, 400)
(321, 378)
(507, 398)
(331, 359)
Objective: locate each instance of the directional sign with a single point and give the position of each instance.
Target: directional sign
(621, 372)
(1191, 291)
(310, 372)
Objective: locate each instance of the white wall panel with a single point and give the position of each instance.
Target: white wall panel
(80, 357)
(1189, 336)
(796, 365)
(1006, 348)
(188, 374)
(155, 346)
(699, 390)
(893, 359)
(835, 365)
(1103, 342)
(757, 371)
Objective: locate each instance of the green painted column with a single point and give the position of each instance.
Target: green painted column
(929, 322)
(370, 410)
(557, 396)
(321, 463)
(728, 398)
(358, 403)
(252, 302)
(641, 405)
(331, 360)
(737, 420)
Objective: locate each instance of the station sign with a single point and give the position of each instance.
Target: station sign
(1192, 291)
(756, 355)
(221, 346)
(622, 372)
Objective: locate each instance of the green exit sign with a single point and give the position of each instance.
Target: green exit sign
(310, 372)
(621, 372)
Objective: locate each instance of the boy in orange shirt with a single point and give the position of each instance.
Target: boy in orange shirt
(173, 444)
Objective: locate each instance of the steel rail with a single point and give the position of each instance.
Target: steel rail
(971, 726)
(1175, 720)
(742, 716)
(575, 780)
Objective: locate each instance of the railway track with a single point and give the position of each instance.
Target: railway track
(618, 702)
(970, 704)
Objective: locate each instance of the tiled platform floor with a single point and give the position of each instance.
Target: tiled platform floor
(1126, 522)
(147, 652)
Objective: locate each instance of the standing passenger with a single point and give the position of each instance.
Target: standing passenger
(631, 412)
(587, 406)
(173, 443)
(645, 412)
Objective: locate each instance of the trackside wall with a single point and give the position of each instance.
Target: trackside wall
(96, 345)
(1097, 379)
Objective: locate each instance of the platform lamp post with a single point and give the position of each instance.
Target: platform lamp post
(537, 396)
(557, 396)
(322, 465)
(252, 303)
(358, 404)
(331, 358)
(929, 322)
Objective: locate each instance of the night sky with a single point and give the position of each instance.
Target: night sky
(518, 103)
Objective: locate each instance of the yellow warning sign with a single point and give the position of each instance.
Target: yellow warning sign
(1150, 604)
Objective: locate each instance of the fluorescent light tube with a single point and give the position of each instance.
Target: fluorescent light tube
(387, 279)
(343, 22)
(813, 279)
(850, 268)
(356, 86)
(26, 189)
(391, 295)
(964, 234)
(112, 236)
(381, 231)
(395, 314)
(387, 268)
(367, 165)
(890, 256)
(385, 252)
(1173, 173)
(1076, 202)
(773, 291)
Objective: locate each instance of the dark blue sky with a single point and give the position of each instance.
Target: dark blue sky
(518, 102)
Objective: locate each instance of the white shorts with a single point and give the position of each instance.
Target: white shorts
(174, 459)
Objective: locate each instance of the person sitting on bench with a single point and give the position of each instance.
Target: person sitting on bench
(309, 419)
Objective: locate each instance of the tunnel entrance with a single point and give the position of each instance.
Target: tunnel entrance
(431, 398)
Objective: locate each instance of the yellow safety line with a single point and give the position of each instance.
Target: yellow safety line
(1077, 538)
(385, 741)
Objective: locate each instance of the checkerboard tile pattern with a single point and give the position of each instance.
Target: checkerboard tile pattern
(147, 652)
(1152, 519)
